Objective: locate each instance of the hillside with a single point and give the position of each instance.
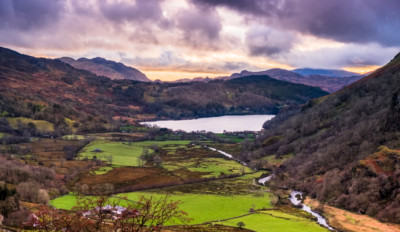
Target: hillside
(246, 95)
(107, 68)
(50, 90)
(344, 146)
(328, 83)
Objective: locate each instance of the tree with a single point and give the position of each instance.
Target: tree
(9, 200)
(240, 224)
(157, 160)
(149, 214)
(110, 159)
(103, 213)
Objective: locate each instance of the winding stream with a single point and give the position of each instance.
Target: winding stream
(264, 180)
(227, 155)
(221, 152)
(296, 198)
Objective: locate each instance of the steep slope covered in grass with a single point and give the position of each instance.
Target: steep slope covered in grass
(45, 89)
(245, 95)
(332, 141)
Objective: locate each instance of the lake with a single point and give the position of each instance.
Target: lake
(215, 124)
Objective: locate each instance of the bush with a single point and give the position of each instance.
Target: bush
(17, 218)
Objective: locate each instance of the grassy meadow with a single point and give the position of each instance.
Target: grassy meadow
(41, 125)
(3, 134)
(122, 153)
(201, 207)
(275, 221)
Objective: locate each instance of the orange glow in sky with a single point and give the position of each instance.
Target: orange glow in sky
(167, 75)
(362, 70)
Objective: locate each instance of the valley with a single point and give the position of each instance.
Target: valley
(226, 189)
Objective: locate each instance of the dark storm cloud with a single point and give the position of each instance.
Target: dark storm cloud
(238, 66)
(268, 42)
(29, 14)
(134, 12)
(358, 21)
(257, 7)
(200, 25)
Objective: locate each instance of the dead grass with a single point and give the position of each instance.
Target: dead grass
(131, 178)
(382, 162)
(348, 221)
(49, 153)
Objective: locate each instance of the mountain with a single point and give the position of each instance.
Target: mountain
(196, 79)
(342, 149)
(245, 95)
(107, 68)
(75, 99)
(325, 72)
(330, 84)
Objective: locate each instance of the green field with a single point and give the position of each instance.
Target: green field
(102, 170)
(73, 137)
(200, 207)
(41, 125)
(64, 202)
(276, 221)
(69, 201)
(122, 153)
(272, 160)
(3, 134)
(235, 138)
(196, 158)
(212, 167)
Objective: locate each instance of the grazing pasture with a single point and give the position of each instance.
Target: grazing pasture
(275, 221)
(40, 125)
(121, 153)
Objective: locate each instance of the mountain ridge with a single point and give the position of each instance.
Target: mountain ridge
(102, 67)
(324, 72)
(330, 84)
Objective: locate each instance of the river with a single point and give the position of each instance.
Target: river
(215, 124)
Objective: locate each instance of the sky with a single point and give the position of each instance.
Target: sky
(174, 39)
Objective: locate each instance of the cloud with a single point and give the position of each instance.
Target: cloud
(348, 55)
(29, 14)
(172, 61)
(256, 7)
(200, 26)
(357, 21)
(138, 12)
(266, 41)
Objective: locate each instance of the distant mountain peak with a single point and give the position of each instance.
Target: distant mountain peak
(107, 68)
(325, 72)
(327, 83)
